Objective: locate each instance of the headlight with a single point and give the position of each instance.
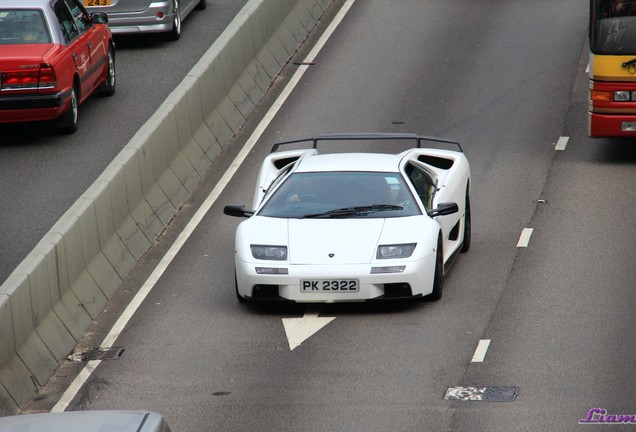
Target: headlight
(267, 252)
(395, 251)
(622, 96)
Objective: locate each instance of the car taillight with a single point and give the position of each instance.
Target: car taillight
(29, 79)
(20, 80)
(48, 79)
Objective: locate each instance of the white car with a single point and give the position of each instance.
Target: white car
(352, 227)
(85, 421)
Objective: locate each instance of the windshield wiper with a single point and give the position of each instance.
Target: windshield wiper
(629, 63)
(351, 211)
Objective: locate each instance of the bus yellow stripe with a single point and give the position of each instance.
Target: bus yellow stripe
(610, 68)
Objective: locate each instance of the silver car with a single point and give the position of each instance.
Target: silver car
(146, 16)
(83, 421)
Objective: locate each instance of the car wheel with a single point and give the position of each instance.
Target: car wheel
(467, 225)
(68, 123)
(240, 298)
(202, 5)
(108, 87)
(175, 33)
(438, 277)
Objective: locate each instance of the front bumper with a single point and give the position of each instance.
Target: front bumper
(414, 282)
(611, 125)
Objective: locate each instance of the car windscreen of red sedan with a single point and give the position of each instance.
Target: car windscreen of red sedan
(53, 56)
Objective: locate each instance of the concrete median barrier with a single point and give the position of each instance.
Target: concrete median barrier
(52, 297)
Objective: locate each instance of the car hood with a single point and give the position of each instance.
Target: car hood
(344, 241)
(331, 241)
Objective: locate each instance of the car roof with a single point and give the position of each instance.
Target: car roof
(375, 162)
(82, 421)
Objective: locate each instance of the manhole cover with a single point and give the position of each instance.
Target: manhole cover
(98, 354)
(485, 394)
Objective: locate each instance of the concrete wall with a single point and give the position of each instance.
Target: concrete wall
(48, 302)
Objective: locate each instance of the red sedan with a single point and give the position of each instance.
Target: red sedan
(53, 56)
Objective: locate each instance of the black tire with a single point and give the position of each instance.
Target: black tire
(68, 122)
(438, 276)
(239, 297)
(109, 86)
(202, 5)
(467, 226)
(175, 33)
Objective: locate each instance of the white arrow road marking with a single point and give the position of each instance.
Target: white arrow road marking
(300, 329)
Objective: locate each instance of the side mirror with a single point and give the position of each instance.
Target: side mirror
(444, 209)
(99, 18)
(237, 210)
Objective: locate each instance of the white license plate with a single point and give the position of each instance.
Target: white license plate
(329, 285)
(628, 126)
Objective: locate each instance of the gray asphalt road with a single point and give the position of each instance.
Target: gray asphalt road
(43, 173)
(507, 79)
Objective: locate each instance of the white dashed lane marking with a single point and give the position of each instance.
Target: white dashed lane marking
(524, 239)
(480, 351)
(562, 143)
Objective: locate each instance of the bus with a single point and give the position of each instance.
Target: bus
(612, 69)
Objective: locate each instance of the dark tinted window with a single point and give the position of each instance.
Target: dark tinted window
(303, 194)
(423, 184)
(67, 23)
(82, 18)
(613, 26)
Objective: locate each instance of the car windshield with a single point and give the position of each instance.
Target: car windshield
(23, 26)
(341, 195)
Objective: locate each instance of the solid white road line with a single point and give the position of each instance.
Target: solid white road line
(114, 333)
(480, 351)
(524, 239)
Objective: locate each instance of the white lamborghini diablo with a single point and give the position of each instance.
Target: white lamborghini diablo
(350, 227)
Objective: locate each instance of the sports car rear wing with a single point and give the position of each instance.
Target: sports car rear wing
(419, 139)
